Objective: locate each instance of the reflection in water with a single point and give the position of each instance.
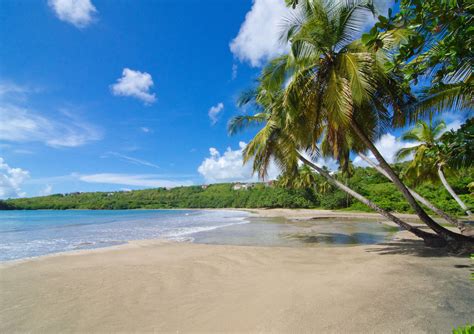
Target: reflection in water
(280, 232)
(336, 238)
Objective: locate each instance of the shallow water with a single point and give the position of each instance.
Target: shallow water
(280, 232)
(25, 234)
(33, 233)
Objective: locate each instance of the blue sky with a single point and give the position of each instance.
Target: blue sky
(110, 95)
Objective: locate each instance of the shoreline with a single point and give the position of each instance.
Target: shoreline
(315, 210)
(291, 215)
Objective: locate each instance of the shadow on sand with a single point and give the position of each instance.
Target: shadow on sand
(411, 247)
(357, 238)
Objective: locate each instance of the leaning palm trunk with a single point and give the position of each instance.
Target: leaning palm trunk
(429, 238)
(451, 237)
(459, 224)
(451, 191)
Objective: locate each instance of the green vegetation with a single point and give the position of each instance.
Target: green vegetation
(435, 154)
(282, 194)
(214, 196)
(467, 329)
(333, 94)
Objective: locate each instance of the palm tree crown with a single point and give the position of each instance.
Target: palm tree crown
(423, 167)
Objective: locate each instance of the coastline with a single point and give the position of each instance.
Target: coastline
(291, 215)
(164, 286)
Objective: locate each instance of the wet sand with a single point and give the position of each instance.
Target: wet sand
(314, 214)
(395, 287)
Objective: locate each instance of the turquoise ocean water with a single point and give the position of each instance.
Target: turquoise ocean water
(26, 234)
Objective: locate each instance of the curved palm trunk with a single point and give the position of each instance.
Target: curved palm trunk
(460, 225)
(446, 234)
(451, 191)
(429, 238)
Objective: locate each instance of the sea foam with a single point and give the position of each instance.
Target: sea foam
(25, 234)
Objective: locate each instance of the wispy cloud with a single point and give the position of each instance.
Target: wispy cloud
(140, 180)
(21, 124)
(9, 88)
(47, 190)
(214, 112)
(79, 13)
(130, 159)
(235, 69)
(134, 84)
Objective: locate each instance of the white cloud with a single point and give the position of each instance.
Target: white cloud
(23, 125)
(79, 13)
(330, 163)
(145, 129)
(214, 112)
(11, 180)
(388, 145)
(48, 190)
(229, 167)
(130, 159)
(141, 180)
(135, 84)
(453, 120)
(453, 125)
(258, 37)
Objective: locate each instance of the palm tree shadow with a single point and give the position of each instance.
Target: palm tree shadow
(357, 238)
(410, 247)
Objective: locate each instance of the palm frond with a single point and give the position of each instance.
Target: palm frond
(350, 18)
(241, 122)
(274, 74)
(442, 97)
(246, 97)
(404, 153)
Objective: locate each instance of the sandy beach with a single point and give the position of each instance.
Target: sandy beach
(156, 286)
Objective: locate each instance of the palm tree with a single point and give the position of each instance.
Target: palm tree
(306, 178)
(429, 160)
(277, 141)
(466, 230)
(303, 179)
(341, 86)
(324, 186)
(346, 171)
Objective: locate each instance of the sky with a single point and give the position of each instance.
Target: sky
(117, 95)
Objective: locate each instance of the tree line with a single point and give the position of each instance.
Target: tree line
(308, 190)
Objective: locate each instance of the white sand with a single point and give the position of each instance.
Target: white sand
(146, 286)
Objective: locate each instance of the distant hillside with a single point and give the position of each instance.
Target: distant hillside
(259, 195)
(212, 196)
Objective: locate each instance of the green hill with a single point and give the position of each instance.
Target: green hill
(259, 195)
